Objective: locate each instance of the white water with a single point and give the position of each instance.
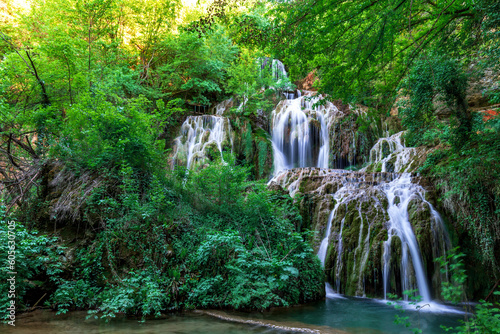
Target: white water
(403, 189)
(342, 197)
(277, 68)
(197, 134)
(392, 148)
(332, 294)
(339, 263)
(324, 243)
(300, 133)
(400, 193)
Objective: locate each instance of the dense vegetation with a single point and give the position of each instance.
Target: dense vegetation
(93, 91)
(90, 91)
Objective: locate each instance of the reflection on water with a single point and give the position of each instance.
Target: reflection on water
(349, 315)
(46, 322)
(362, 315)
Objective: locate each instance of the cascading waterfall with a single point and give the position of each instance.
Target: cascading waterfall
(324, 243)
(392, 154)
(339, 257)
(277, 67)
(372, 222)
(403, 190)
(198, 135)
(300, 132)
(342, 196)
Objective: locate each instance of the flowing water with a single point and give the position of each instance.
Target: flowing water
(342, 315)
(294, 142)
(200, 133)
(300, 132)
(403, 189)
(391, 153)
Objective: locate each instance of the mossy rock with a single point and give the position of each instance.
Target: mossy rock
(212, 152)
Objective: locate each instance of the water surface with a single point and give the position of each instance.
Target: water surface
(334, 315)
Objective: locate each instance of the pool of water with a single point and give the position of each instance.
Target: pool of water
(334, 315)
(363, 315)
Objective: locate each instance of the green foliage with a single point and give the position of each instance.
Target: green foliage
(71, 295)
(205, 239)
(465, 168)
(252, 80)
(99, 134)
(468, 180)
(248, 144)
(486, 317)
(435, 80)
(251, 247)
(262, 147)
(194, 67)
(36, 261)
(402, 318)
(139, 294)
(363, 49)
(452, 265)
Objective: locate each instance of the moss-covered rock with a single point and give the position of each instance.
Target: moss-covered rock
(359, 228)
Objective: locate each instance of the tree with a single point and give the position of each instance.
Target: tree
(364, 48)
(433, 80)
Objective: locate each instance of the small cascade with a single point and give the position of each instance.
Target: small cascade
(201, 139)
(324, 243)
(403, 190)
(389, 154)
(221, 107)
(300, 132)
(340, 249)
(277, 67)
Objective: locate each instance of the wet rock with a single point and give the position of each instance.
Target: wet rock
(354, 260)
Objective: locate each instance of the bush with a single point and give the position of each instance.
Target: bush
(99, 135)
(37, 263)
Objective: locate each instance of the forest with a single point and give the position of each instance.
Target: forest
(260, 164)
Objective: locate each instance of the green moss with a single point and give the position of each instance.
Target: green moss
(262, 149)
(248, 144)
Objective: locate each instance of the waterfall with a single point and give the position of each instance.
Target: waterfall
(200, 137)
(391, 153)
(403, 189)
(324, 243)
(372, 218)
(342, 196)
(277, 67)
(221, 107)
(300, 132)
